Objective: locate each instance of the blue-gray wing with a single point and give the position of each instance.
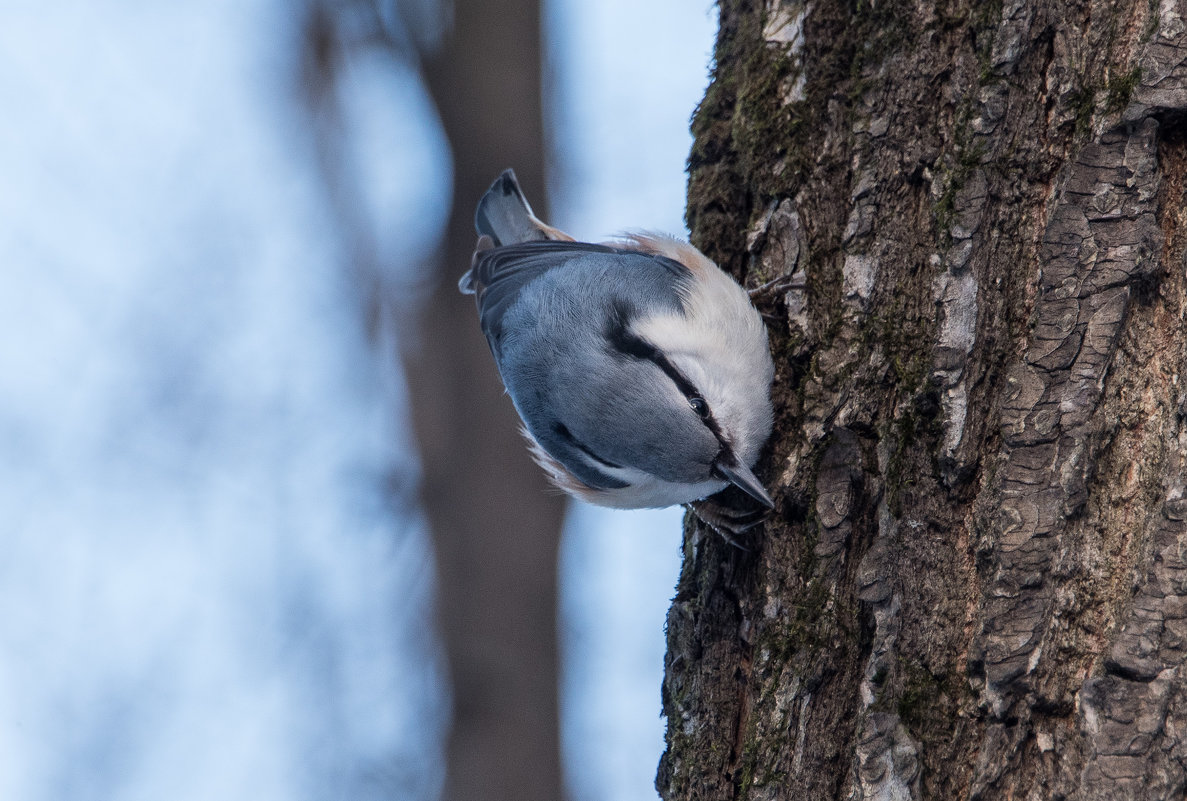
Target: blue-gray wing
(500, 275)
(555, 314)
(577, 457)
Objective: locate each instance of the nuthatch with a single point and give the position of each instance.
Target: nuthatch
(641, 371)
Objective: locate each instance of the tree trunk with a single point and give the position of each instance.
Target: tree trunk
(496, 523)
(975, 584)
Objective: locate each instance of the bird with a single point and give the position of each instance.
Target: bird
(640, 370)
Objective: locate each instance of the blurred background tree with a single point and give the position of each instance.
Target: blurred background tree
(217, 576)
(495, 525)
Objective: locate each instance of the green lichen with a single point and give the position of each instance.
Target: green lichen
(968, 153)
(818, 622)
(915, 425)
(1117, 91)
(1120, 88)
(883, 29)
(927, 703)
(920, 695)
(984, 19)
(767, 127)
(1151, 20)
(1083, 104)
(903, 435)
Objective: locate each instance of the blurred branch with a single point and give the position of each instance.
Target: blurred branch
(324, 49)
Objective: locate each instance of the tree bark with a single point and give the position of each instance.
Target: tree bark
(975, 583)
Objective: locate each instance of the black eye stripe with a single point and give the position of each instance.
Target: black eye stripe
(626, 342)
(683, 384)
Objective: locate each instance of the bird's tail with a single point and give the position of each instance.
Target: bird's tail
(504, 215)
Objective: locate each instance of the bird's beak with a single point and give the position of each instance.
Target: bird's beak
(741, 477)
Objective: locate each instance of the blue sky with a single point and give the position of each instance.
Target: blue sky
(207, 593)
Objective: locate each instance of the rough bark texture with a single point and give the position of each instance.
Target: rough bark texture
(975, 586)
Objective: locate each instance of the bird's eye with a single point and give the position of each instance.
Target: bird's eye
(699, 406)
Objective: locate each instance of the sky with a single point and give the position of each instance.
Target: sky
(207, 590)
